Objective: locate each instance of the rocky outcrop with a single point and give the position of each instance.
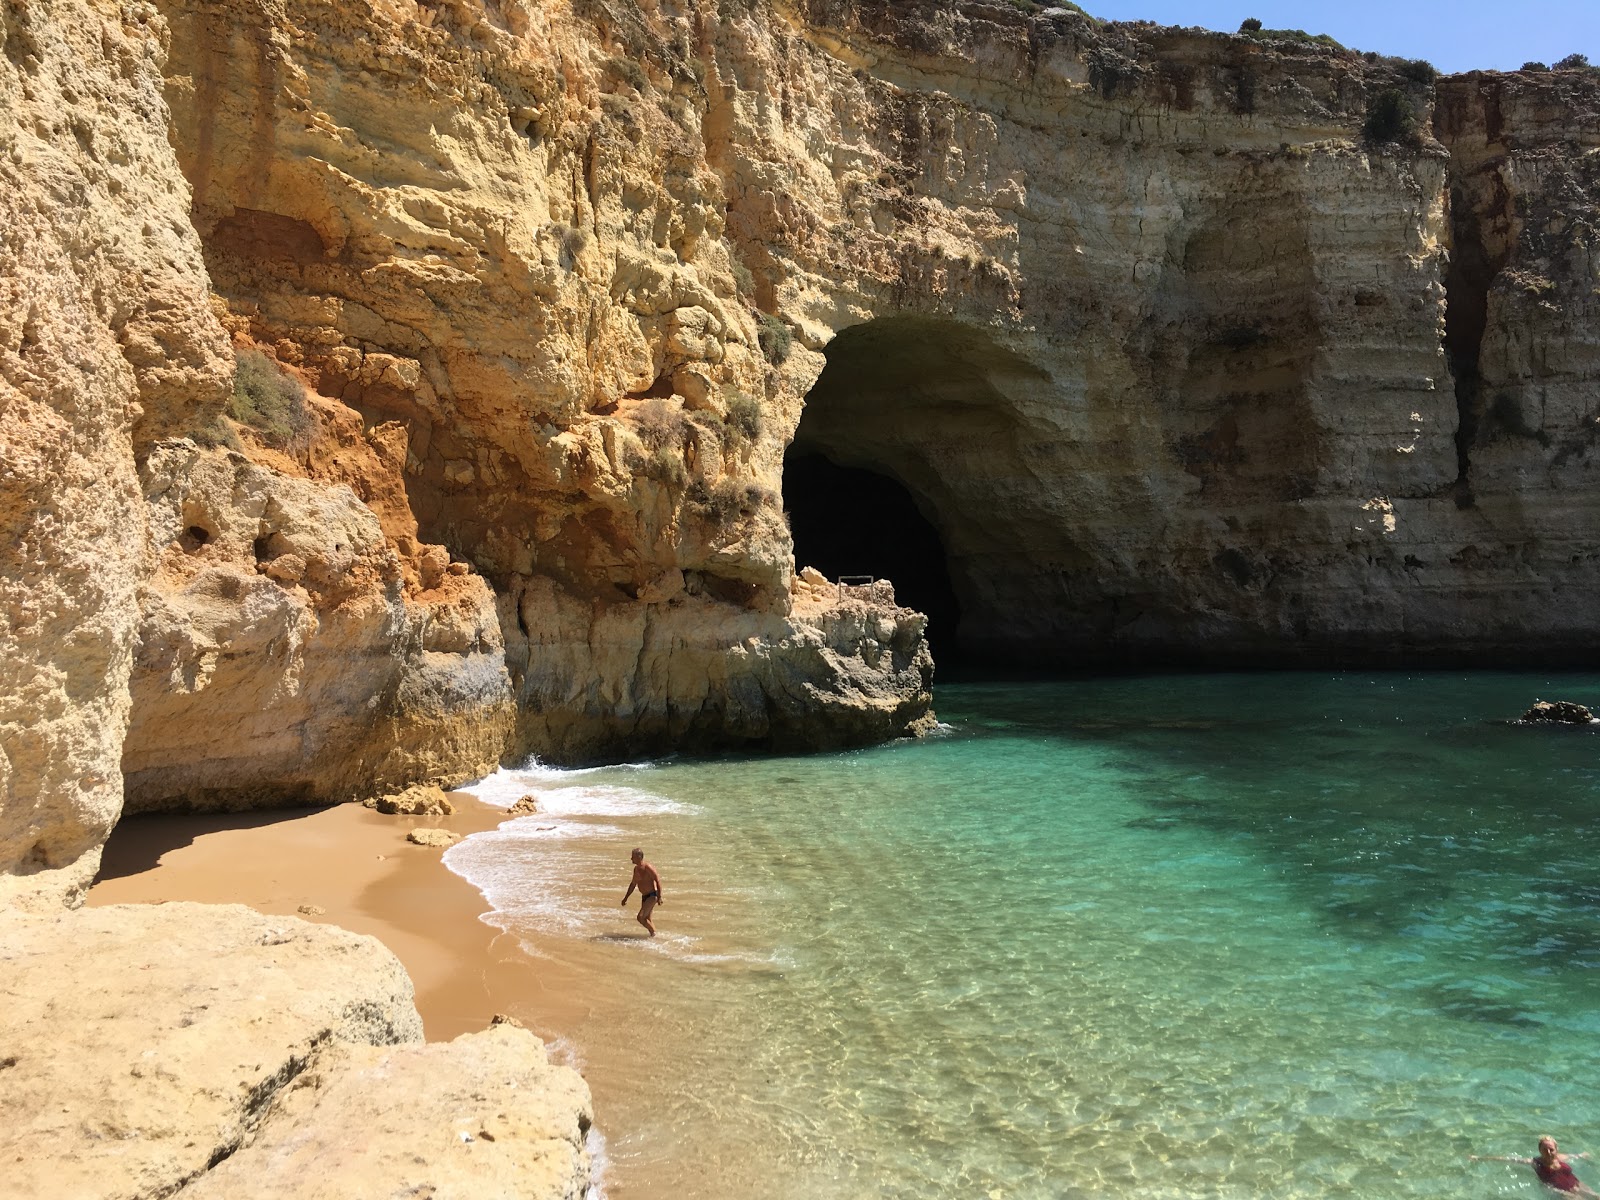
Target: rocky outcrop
(105, 333)
(279, 611)
(646, 678)
(1558, 712)
(149, 1044)
(495, 1119)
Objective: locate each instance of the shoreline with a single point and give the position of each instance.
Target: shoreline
(601, 1002)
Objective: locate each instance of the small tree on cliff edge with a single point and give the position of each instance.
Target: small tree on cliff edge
(1250, 25)
(1389, 119)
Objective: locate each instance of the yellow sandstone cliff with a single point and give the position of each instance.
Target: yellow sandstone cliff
(1181, 356)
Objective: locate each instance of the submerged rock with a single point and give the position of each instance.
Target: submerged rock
(1558, 712)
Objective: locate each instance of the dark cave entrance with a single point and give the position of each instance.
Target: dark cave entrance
(852, 521)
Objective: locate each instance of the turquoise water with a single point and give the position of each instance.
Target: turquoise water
(1223, 936)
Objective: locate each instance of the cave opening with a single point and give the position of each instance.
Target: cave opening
(853, 521)
(904, 467)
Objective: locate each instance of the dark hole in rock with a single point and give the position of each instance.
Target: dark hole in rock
(192, 538)
(262, 547)
(850, 521)
(730, 591)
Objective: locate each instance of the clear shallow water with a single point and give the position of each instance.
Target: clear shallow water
(1229, 936)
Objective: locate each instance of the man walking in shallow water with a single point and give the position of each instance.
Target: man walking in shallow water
(648, 880)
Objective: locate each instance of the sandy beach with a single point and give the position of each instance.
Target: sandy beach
(621, 1017)
(346, 866)
(353, 867)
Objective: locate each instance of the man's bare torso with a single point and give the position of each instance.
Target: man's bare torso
(646, 879)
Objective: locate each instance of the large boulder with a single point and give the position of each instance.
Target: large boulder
(148, 1044)
(499, 1121)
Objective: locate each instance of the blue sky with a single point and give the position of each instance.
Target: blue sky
(1454, 35)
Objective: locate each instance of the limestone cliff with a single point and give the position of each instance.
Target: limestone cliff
(1524, 317)
(1180, 359)
(105, 335)
(488, 230)
(1150, 328)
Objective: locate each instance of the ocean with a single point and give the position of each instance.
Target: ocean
(1226, 935)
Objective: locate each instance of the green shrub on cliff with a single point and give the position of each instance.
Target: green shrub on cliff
(1574, 62)
(1389, 119)
(270, 401)
(743, 423)
(1418, 70)
(1250, 25)
(1299, 36)
(775, 338)
(1535, 66)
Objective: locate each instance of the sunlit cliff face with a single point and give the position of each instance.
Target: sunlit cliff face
(1171, 361)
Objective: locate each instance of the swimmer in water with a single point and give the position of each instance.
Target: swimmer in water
(1553, 1170)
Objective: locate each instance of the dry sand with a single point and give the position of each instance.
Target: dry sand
(345, 866)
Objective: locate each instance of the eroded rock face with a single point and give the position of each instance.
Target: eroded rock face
(279, 616)
(646, 678)
(1154, 335)
(1524, 331)
(524, 268)
(105, 332)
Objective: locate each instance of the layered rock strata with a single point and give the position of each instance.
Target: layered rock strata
(1180, 360)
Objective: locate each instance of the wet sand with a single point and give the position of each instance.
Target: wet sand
(356, 867)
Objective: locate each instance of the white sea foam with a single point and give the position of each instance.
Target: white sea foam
(520, 875)
(533, 870)
(535, 774)
(599, 1161)
(559, 794)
